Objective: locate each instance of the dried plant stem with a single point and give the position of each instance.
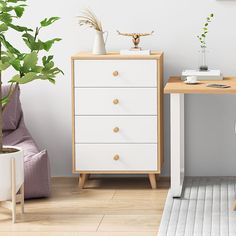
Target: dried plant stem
(88, 18)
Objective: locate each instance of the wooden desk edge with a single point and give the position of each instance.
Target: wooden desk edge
(196, 89)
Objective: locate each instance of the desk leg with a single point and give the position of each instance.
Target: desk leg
(177, 143)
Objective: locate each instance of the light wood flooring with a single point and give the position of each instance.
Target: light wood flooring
(107, 207)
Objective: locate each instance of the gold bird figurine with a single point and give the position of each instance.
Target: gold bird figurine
(135, 38)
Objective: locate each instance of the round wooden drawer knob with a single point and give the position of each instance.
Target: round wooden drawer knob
(115, 73)
(115, 101)
(116, 130)
(116, 157)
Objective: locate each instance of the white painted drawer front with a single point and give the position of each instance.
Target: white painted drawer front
(132, 157)
(131, 73)
(116, 129)
(94, 101)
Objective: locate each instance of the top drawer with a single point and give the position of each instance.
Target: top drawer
(115, 73)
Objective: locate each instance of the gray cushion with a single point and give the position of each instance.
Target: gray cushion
(36, 181)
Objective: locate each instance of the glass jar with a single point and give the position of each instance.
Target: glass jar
(202, 59)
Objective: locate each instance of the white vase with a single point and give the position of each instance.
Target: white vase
(99, 43)
(6, 172)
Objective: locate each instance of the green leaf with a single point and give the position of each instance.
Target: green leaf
(7, 9)
(37, 69)
(2, 5)
(49, 65)
(46, 22)
(24, 79)
(20, 28)
(6, 18)
(48, 44)
(15, 1)
(8, 46)
(45, 59)
(19, 10)
(15, 79)
(5, 101)
(30, 42)
(3, 27)
(16, 64)
(4, 65)
(30, 61)
(57, 71)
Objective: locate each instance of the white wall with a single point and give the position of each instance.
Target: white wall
(211, 143)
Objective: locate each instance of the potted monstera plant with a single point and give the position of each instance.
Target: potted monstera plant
(35, 63)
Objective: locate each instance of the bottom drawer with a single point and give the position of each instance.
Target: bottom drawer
(116, 157)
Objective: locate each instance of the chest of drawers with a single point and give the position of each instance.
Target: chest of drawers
(117, 115)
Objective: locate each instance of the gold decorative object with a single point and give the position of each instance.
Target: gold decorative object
(135, 38)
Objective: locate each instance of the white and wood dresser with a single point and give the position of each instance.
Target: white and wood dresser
(117, 114)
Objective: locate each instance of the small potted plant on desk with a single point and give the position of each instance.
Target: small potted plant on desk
(29, 67)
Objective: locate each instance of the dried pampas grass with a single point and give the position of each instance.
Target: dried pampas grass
(88, 18)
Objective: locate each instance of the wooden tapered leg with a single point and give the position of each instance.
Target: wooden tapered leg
(22, 199)
(82, 180)
(152, 179)
(13, 189)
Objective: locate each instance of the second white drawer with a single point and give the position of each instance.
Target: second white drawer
(110, 101)
(116, 129)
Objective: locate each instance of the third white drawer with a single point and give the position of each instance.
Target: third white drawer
(116, 129)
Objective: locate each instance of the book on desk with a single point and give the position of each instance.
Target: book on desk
(203, 75)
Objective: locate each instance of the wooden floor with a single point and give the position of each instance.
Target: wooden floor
(107, 207)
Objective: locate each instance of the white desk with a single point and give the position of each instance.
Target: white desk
(177, 88)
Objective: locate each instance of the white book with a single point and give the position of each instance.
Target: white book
(199, 78)
(201, 73)
(135, 52)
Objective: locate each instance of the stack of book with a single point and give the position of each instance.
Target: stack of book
(135, 52)
(203, 75)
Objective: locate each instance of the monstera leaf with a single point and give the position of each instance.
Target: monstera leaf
(46, 22)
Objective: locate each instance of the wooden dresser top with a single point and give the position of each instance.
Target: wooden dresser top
(115, 55)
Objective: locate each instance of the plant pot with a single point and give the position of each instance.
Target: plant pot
(6, 172)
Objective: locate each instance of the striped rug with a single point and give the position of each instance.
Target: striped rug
(205, 209)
